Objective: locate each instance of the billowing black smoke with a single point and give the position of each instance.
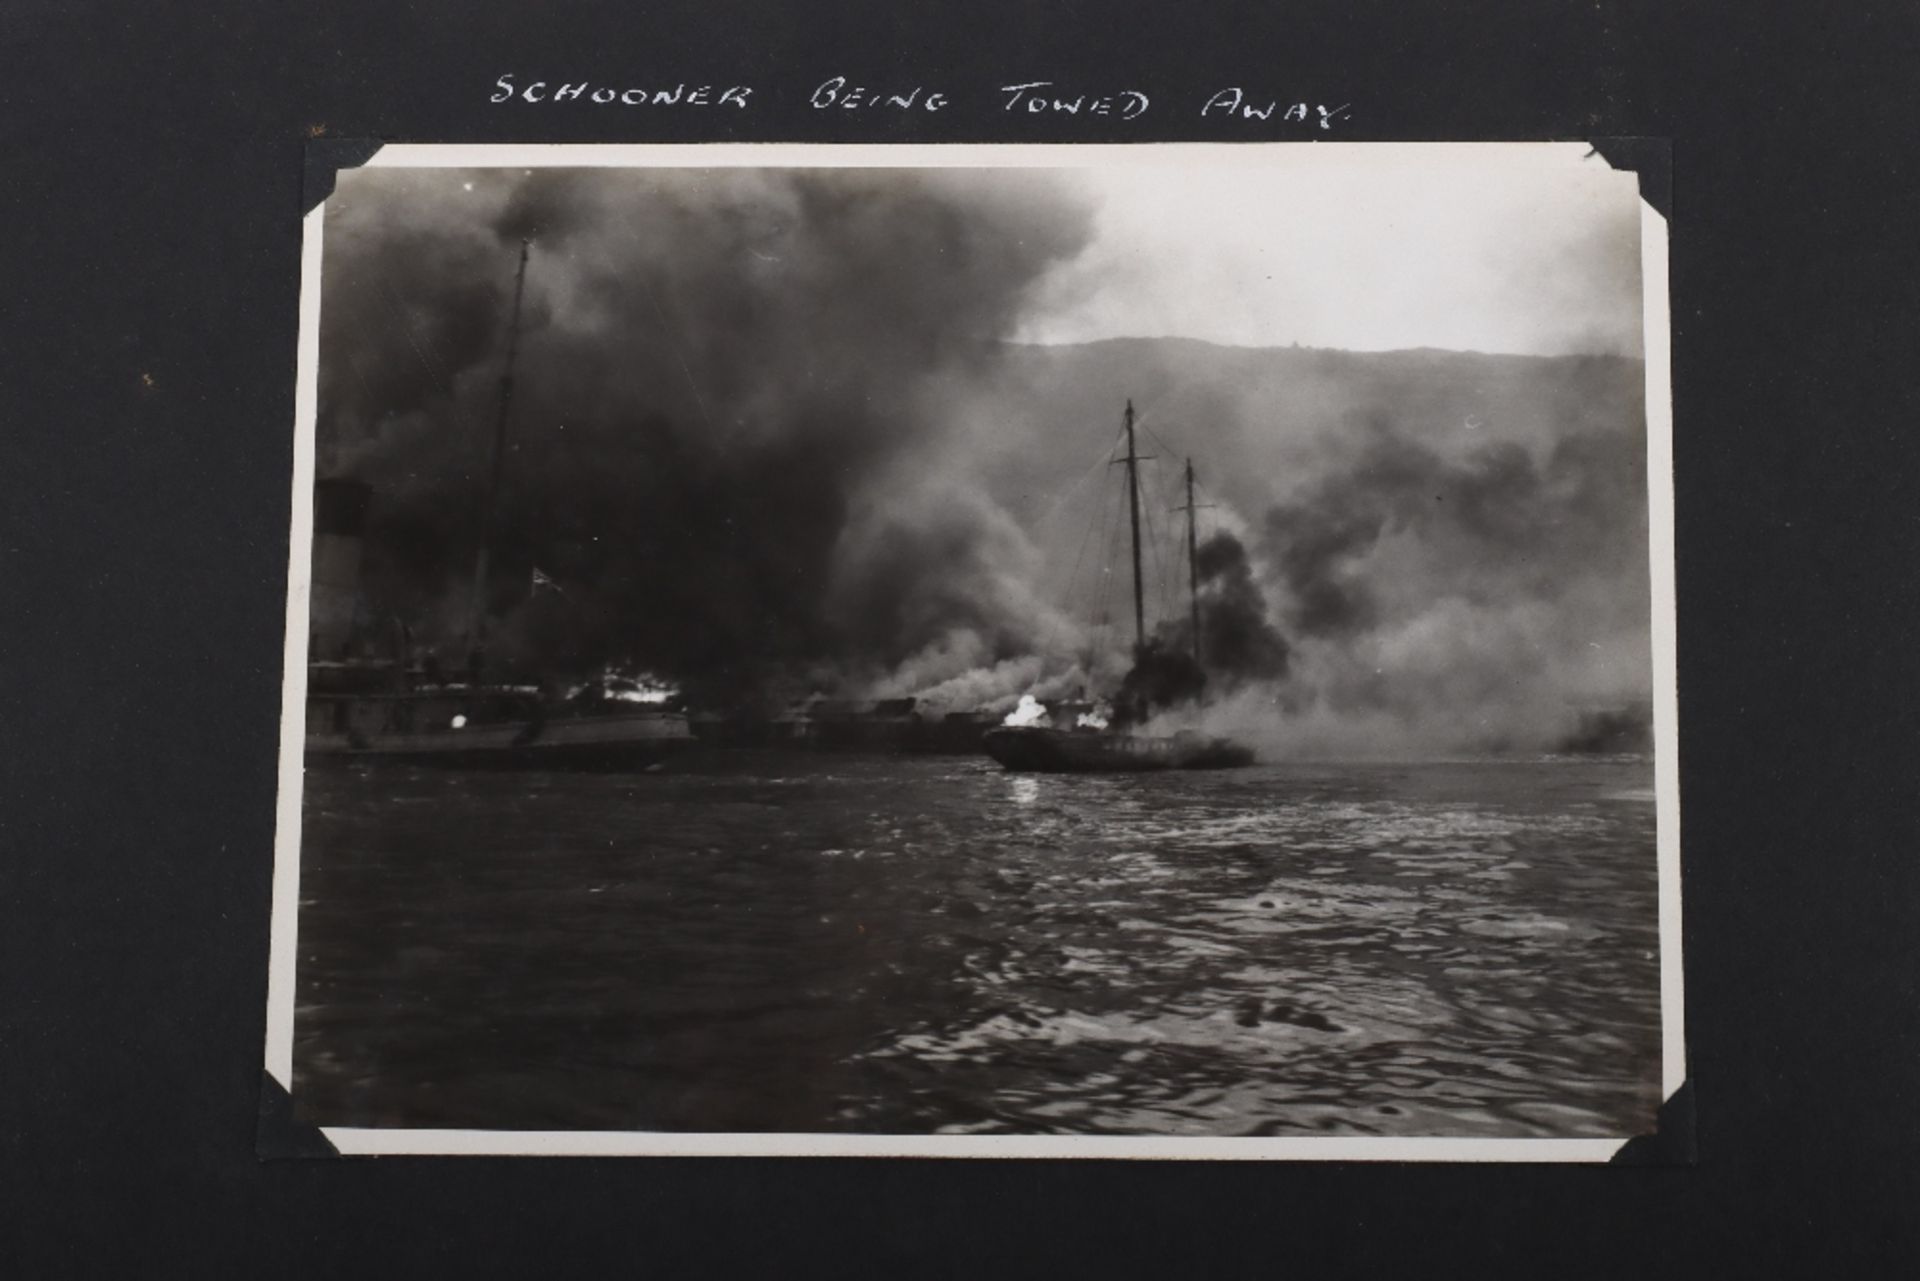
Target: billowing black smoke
(1495, 525)
(1238, 641)
(1162, 677)
(1485, 596)
(1427, 587)
(728, 418)
(767, 436)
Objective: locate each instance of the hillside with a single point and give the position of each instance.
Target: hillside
(1258, 421)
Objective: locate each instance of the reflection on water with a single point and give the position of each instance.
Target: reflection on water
(836, 943)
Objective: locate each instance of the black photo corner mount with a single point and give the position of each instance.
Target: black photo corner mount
(282, 1135)
(326, 157)
(1651, 159)
(1672, 1140)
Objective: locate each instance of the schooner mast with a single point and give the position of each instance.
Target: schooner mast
(1133, 461)
(1027, 741)
(477, 620)
(1193, 564)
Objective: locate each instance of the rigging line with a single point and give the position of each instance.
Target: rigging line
(1173, 500)
(1099, 519)
(1061, 579)
(1169, 571)
(1045, 523)
(1103, 572)
(436, 368)
(1169, 450)
(1151, 564)
(1200, 492)
(1176, 543)
(1171, 394)
(399, 308)
(1099, 592)
(1068, 586)
(1068, 491)
(666, 331)
(1161, 579)
(1076, 595)
(1110, 537)
(1157, 560)
(429, 358)
(1164, 584)
(1142, 421)
(366, 388)
(1166, 542)
(1149, 546)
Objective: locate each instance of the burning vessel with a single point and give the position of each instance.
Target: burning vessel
(376, 699)
(1086, 750)
(372, 696)
(901, 726)
(1028, 741)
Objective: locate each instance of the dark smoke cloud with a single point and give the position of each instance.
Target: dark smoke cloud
(1494, 526)
(720, 374)
(1239, 643)
(1430, 588)
(1162, 678)
(1238, 640)
(767, 436)
(1491, 596)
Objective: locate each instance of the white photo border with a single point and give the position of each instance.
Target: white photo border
(282, 957)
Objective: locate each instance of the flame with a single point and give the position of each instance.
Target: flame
(1098, 718)
(1031, 713)
(618, 686)
(650, 694)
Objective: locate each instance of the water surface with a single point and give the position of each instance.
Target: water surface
(769, 942)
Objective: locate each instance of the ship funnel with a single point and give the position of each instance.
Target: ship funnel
(339, 524)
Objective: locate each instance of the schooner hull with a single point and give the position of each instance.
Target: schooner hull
(1034, 750)
(612, 743)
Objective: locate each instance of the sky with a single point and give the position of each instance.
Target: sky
(1528, 248)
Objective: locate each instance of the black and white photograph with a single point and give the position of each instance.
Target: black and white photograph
(981, 650)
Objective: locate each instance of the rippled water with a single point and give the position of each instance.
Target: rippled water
(836, 943)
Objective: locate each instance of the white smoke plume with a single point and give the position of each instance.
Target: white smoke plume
(1030, 714)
